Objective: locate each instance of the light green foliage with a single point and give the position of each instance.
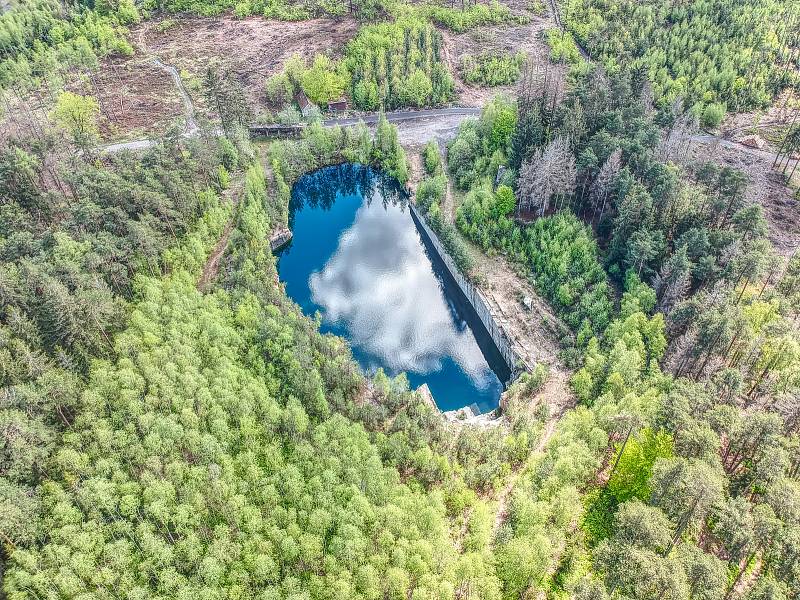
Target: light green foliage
(719, 51)
(430, 194)
(289, 115)
(638, 296)
(39, 37)
(633, 560)
(279, 88)
(212, 392)
(68, 273)
(448, 235)
(78, 116)
(322, 146)
(223, 178)
(522, 565)
(562, 46)
(398, 64)
(712, 115)
(488, 69)
(483, 146)
(430, 190)
(323, 82)
(284, 10)
(474, 15)
(635, 461)
(432, 158)
(387, 153)
(505, 202)
(537, 7)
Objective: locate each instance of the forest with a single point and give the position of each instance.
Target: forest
(691, 380)
(173, 426)
(716, 55)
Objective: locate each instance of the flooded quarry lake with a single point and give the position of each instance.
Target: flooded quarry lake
(357, 257)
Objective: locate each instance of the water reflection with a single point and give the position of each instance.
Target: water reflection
(358, 259)
(380, 285)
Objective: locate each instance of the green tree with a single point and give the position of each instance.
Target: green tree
(78, 115)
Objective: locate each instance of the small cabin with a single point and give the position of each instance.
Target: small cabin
(304, 104)
(338, 106)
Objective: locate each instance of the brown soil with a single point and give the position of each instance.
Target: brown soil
(767, 188)
(140, 99)
(771, 124)
(253, 48)
(211, 268)
(497, 39)
(535, 333)
(136, 98)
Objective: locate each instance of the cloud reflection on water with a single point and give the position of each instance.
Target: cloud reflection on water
(381, 286)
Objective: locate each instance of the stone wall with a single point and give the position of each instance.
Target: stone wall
(473, 295)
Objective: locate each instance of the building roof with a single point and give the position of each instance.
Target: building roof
(302, 100)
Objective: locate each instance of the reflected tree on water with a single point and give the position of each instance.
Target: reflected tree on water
(320, 188)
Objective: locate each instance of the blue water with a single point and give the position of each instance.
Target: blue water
(358, 259)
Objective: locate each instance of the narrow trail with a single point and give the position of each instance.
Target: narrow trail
(211, 268)
(505, 494)
(188, 106)
(191, 128)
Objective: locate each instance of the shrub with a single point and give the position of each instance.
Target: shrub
(289, 115)
(488, 69)
(431, 190)
(476, 15)
(712, 115)
(562, 47)
(432, 159)
(398, 64)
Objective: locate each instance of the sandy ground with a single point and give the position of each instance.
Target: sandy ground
(413, 135)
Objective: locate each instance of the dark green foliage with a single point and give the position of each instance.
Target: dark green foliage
(558, 250)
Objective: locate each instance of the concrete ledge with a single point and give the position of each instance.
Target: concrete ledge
(473, 296)
(279, 239)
